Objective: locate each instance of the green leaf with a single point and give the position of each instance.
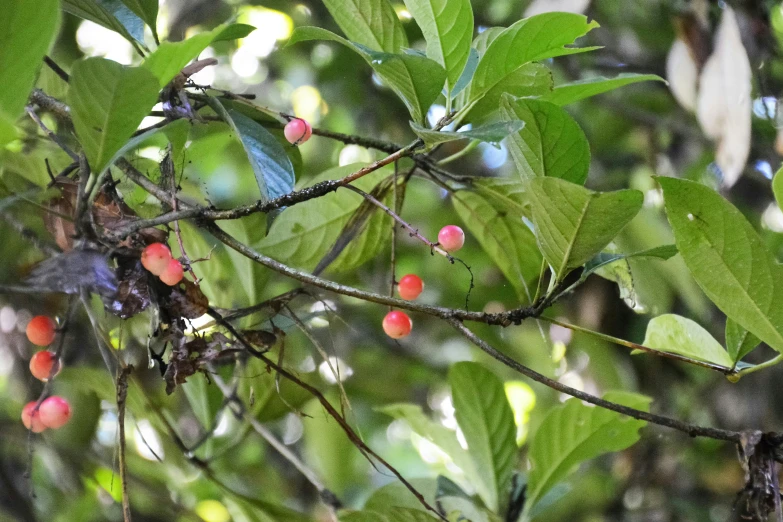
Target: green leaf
(392, 515)
(581, 89)
(112, 15)
(506, 240)
(371, 23)
(506, 194)
(605, 258)
(739, 341)
(491, 133)
(108, 102)
(573, 433)
(417, 80)
(434, 432)
(147, 10)
(727, 258)
(26, 32)
(677, 334)
(532, 79)
(777, 187)
(447, 26)
(551, 144)
(171, 57)
(486, 420)
(573, 223)
(531, 39)
(395, 494)
(302, 234)
(271, 165)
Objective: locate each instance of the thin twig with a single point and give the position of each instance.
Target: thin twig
(59, 71)
(691, 429)
(122, 395)
(52, 136)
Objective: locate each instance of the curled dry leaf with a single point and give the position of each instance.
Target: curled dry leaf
(723, 106)
(189, 303)
(261, 338)
(133, 293)
(549, 6)
(187, 358)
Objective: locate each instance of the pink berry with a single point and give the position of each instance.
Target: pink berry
(156, 257)
(55, 412)
(451, 238)
(32, 419)
(397, 324)
(410, 286)
(173, 273)
(40, 330)
(297, 131)
(43, 364)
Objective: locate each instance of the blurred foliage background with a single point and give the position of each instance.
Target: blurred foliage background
(634, 133)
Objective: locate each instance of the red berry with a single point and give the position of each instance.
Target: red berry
(410, 286)
(43, 364)
(55, 412)
(173, 273)
(31, 419)
(40, 330)
(297, 131)
(397, 324)
(451, 238)
(156, 257)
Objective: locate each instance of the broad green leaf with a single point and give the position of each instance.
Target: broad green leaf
(506, 194)
(147, 10)
(573, 223)
(108, 102)
(434, 432)
(171, 57)
(573, 433)
(581, 89)
(417, 80)
(486, 420)
(605, 258)
(302, 234)
(447, 26)
(271, 165)
(372, 23)
(531, 39)
(26, 32)
(551, 144)
(508, 242)
(727, 258)
(777, 187)
(176, 127)
(491, 133)
(111, 14)
(739, 341)
(395, 494)
(532, 79)
(392, 515)
(677, 334)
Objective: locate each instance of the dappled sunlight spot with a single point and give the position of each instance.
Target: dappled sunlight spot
(94, 40)
(522, 399)
(7, 319)
(203, 324)
(205, 76)
(244, 63)
(272, 27)
(560, 333)
(212, 511)
(147, 441)
(428, 451)
(764, 168)
(354, 154)
(435, 114)
(293, 429)
(321, 55)
(335, 370)
(493, 157)
(446, 409)
(772, 218)
(148, 121)
(573, 380)
(461, 438)
(765, 107)
(308, 103)
(398, 431)
(558, 351)
(307, 365)
(402, 13)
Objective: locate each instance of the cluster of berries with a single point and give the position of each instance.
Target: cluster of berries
(53, 412)
(157, 259)
(397, 324)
